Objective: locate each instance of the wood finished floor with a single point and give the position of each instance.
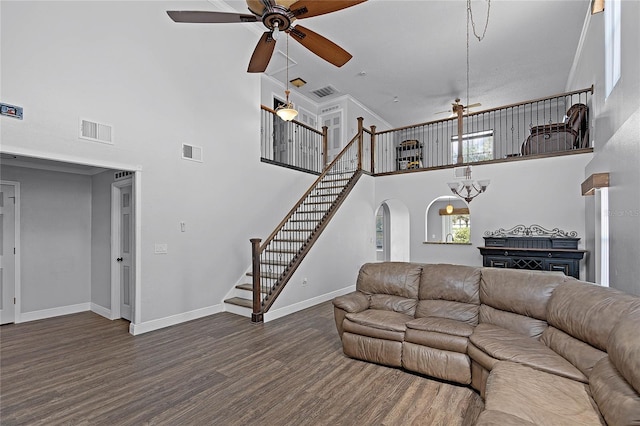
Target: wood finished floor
(83, 369)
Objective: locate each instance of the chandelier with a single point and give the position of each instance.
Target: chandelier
(468, 189)
(286, 111)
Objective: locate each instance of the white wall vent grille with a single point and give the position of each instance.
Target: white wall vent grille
(192, 152)
(325, 91)
(329, 109)
(122, 174)
(94, 131)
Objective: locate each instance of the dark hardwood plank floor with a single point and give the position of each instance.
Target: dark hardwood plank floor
(83, 369)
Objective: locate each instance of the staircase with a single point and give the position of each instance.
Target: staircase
(275, 260)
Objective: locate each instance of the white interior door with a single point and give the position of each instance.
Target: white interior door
(335, 144)
(7, 254)
(125, 260)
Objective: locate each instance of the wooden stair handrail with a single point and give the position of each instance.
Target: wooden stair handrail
(301, 200)
(289, 272)
(257, 249)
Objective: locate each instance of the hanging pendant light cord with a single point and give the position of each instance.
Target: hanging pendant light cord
(473, 25)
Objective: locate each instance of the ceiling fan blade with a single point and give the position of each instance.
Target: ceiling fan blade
(308, 8)
(474, 105)
(321, 46)
(262, 53)
(199, 17)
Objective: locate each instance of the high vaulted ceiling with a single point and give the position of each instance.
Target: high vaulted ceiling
(409, 57)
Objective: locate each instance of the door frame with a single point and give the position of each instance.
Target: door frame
(17, 278)
(115, 245)
(137, 197)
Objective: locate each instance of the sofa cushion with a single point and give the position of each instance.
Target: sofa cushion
(522, 324)
(377, 333)
(506, 345)
(617, 400)
(499, 418)
(465, 312)
(395, 278)
(383, 320)
(623, 347)
(457, 283)
(592, 319)
(519, 291)
(538, 397)
(578, 353)
(441, 325)
(388, 302)
(439, 333)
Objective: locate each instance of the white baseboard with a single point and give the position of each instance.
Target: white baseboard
(281, 312)
(101, 310)
(54, 312)
(147, 326)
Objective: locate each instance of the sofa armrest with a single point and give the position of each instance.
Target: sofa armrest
(349, 303)
(352, 302)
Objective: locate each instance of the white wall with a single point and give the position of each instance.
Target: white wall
(158, 84)
(616, 132)
(55, 227)
(545, 192)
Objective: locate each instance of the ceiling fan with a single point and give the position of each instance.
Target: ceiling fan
(278, 16)
(457, 106)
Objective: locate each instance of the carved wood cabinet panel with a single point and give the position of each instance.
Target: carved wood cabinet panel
(533, 248)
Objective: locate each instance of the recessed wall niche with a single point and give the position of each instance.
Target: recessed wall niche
(444, 227)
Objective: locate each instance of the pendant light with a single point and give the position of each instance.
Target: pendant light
(286, 111)
(449, 208)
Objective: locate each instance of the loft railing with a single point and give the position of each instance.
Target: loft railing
(291, 143)
(540, 126)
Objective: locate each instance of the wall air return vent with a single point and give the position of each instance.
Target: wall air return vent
(192, 152)
(122, 174)
(96, 132)
(329, 109)
(324, 91)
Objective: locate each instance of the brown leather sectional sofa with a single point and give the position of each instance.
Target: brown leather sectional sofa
(540, 347)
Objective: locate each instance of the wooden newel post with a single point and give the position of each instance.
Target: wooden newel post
(373, 149)
(256, 315)
(325, 145)
(360, 139)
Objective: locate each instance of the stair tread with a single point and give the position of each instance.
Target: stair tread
(240, 301)
(271, 275)
(249, 287)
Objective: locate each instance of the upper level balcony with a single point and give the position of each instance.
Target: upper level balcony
(555, 125)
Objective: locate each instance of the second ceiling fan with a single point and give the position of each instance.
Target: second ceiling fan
(278, 16)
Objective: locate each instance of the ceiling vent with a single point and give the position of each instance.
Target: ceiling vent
(96, 132)
(122, 174)
(325, 91)
(192, 152)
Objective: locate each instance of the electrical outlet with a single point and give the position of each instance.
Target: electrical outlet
(304, 282)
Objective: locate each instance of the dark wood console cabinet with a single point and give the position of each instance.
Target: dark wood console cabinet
(533, 248)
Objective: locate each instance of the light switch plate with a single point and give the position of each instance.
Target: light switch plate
(161, 248)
